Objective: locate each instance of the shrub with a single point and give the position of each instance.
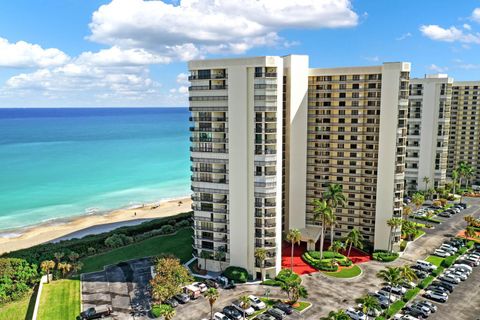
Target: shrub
(395, 307)
(410, 294)
(167, 229)
(287, 275)
(326, 266)
(118, 240)
(271, 282)
(326, 255)
(425, 282)
(182, 224)
(448, 261)
(236, 274)
(384, 256)
(462, 250)
(159, 309)
(345, 263)
(470, 244)
(17, 277)
(438, 271)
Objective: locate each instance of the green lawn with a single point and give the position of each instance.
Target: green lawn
(346, 272)
(60, 300)
(18, 310)
(435, 260)
(179, 244)
(302, 306)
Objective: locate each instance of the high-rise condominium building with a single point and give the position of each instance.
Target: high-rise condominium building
(269, 134)
(464, 142)
(428, 132)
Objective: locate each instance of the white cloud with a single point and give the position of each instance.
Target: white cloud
(404, 36)
(372, 59)
(434, 67)
(466, 26)
(451, 34)
(182, 78)
(197, 27)
(469, 66)
(115, 56)
(23, 54)
(476, 15)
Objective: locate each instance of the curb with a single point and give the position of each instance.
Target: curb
(39, 293)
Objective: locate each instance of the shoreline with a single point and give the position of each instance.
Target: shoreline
(82, 225)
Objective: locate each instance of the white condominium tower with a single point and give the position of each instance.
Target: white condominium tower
(464, 143)
(269, 134)
(428, 132)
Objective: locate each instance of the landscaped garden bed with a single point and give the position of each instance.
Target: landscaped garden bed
(384, 255)
(329, 262)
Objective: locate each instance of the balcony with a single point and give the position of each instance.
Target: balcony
(208, 119)
(198, 129)
(207, 219)
(208, 170)
(208, 77)
(207, 139)
(209, 180)
(211, 150)
(213, 200)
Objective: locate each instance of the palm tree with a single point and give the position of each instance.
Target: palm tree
(335, 198)
(407, 211)
(392, 276)
(294, 236)
(427, 181)
(330, 221)
(369, 303)
(454, 178)
(245, 304)
(46, 266)
(320, 210)
(338, 315)
(205, 255)
(261, 255)
(77, 266)
(461, 168)
(73, 256)
(470, 232)
(220, 256)
(354, 238)
(58, 256)
(418, 199)
(168, 312)
(336, 246)
(64, 268)
(212, 295)
(469, 173)
(393, 223)
(407, 273)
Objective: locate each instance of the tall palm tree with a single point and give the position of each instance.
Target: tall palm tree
(320, 210)
(469, 173)
(427, 181)
(58, 256)
(336, 246)
(205, 255)
(392, 276)
(294, 236)
(454, 178)
(418, 199)
(245, 304)
(335, 198)
(330, 221)
(461, 168)
(406, 212)
(338, 315)
(212, 295)
(369, 303)
(219, 256)
(470, 232)
(393, 223)
(354, 238)
(64, 268)
(46, 266)
(261, 255)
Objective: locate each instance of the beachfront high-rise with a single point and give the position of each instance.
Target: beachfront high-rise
(464, 142)
(428, 132)
(269, 134)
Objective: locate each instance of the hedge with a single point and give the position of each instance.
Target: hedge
(319, 265)
(395, 308)
(410, 294)
(384, 256)
(286, 275)
(237, 274)
(428, 219)
(272, 282)
(448, 261)
(425, 282)
(438, 271)
(326, 255)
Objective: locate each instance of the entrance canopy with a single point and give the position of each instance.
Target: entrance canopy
(310, 233)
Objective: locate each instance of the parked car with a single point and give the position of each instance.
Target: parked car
(463, 276)
(466, 262)
(182, 298)
(264, 316)
(219, 316)
(428, 304)
(463, 267)
(238, 305)
(382, 300)
(95, 313)
(284, 307)
(441, 253)
(356, 314)
(212, 283)
(450, 278)
(420, 274)
(202, 286)
(415, 310)
(448, 247)
(444, 284)
(426, 266)
(433, 287)
(386, 294)
(171, 302)
(256, 302)
(276, 313)
(404, 317)
(232, 313)
(436, 296)
(395, 290)
(444, 214)
(192, 291)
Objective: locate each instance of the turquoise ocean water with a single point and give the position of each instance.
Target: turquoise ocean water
(59, 163)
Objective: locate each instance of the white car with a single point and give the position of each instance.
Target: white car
(384, 293)
(450, 278)
(395, 290)
(201, 286)
(426, 266)
(448, 247)
(463, 276)
(437, 296)
(220, 316)
(404, 317)
(237, 304)
(463, 266)
(475, 262)
(256, 303)
(355, 314)
(441, 253)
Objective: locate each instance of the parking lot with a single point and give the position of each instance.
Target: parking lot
(122, 286)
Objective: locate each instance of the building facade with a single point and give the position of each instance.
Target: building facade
(269, 133)
(464, 141)
(428, 132)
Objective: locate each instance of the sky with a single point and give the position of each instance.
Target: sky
(128, 53)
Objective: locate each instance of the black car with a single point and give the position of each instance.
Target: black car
(95, 313)
(444, 214)
(284, 307)
(428, 304)
(463, 205)
(444, 284)
(438, 288)
(416, 311)
(232, 313)
(420, 274)
(212, 283)
(172, 302)
(468, 263)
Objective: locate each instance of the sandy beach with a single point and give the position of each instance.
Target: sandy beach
(92, 224)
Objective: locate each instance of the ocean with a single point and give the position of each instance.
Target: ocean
(60, 163)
